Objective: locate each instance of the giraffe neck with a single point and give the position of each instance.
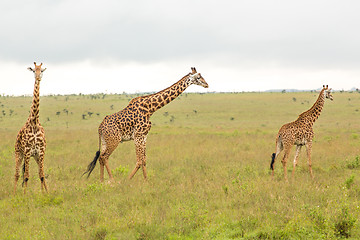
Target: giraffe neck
(157, 100)
(34, 111)
(311, 115)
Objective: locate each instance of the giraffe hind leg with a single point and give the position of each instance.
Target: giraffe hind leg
(104, 162)
(22, 174)
(106, 150)
(18, 161)
(284, 161)
(279, 148)
(297, 153)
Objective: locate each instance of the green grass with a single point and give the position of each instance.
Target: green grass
(208, 171)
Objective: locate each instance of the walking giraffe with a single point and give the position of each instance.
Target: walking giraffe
(133, 123)
(30, 141)
(299, 133)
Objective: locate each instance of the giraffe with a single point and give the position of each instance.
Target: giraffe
(299, 132)
(30, 141)
(133, 123)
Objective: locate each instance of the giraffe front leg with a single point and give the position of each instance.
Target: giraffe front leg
(298, 148)
(308, 151)
(18, 161)
(143, 155)
(140, 144)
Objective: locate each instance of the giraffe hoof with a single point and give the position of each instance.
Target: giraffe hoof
(111, 181)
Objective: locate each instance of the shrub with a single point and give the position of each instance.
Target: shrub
(121, 171)
(344, 223)
(49, 200)
(349, 182)
(353, 164)
(100, 233)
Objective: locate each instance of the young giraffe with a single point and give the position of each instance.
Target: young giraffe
(30, 141)
(299, 133)
(133, 123)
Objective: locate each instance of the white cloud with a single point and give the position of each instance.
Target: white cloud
(263, 43)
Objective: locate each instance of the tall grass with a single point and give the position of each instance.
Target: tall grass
(208, 166)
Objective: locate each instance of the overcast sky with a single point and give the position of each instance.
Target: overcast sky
(118, 46)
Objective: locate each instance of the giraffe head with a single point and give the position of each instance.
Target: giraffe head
(327, 92)
(38, 71)
(196, 78)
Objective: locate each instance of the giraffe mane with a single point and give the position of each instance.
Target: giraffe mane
(153, 94)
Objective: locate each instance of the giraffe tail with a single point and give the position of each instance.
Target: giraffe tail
(92, 165)
(272, 161)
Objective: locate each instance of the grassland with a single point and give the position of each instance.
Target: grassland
(208, 166)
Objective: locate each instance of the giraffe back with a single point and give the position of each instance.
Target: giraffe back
(124, 125)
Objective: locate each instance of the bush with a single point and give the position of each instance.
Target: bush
(349, 182)
(344, 223)
(353, 164)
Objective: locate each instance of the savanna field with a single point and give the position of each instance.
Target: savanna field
(208, 159)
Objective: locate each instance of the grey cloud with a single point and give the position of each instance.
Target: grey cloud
(305, 33)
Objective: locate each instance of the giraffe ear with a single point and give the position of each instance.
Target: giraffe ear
(43, 70)
(30, 69)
